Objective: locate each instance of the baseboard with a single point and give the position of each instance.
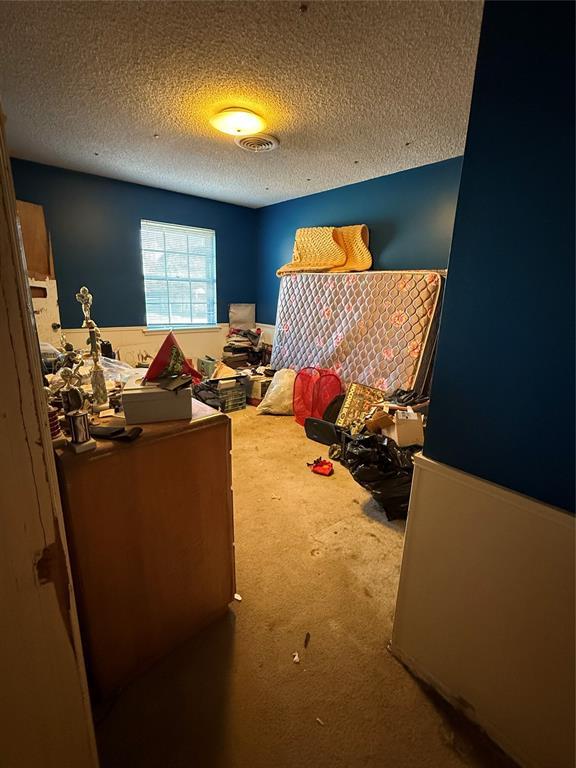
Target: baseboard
(485, 610)
(463, 706)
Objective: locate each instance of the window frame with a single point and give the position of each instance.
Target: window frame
(212, 284)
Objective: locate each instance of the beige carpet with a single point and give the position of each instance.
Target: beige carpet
(314, 555)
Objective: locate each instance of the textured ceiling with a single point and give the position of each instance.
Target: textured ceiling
(353, 90)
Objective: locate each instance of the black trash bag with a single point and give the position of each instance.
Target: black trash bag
(384, 469)
(392, 492)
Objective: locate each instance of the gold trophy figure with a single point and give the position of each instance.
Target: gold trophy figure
(99, 393)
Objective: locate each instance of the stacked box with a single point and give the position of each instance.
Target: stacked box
(232, 398)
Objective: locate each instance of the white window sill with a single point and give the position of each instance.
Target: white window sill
(192, 329)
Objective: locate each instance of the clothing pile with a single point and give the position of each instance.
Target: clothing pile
(241, 376)
(242, 348)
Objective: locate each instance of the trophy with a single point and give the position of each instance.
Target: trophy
(100, 395)
(71, 395)
(79, 427)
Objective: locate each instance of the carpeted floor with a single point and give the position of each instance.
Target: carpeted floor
(313, 555)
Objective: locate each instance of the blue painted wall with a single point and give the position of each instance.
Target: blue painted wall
(503, 389)
(410, 216)
(94, 224)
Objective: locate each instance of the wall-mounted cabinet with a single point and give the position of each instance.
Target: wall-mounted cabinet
(40, 268)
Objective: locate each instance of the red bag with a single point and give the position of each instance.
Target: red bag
(322, 466)
(314, 390)
(170, 361)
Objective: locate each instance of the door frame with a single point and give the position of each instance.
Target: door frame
(44, 700)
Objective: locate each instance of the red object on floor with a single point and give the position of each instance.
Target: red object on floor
(314, 390)
(322, 466)
(170, 361)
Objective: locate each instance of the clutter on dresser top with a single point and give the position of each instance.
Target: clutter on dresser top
(86, 387)
(80, 382)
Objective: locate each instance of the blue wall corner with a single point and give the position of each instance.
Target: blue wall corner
(503, 388)
(94, 223)
(410, 216)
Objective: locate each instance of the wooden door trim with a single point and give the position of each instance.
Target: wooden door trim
(45, 710)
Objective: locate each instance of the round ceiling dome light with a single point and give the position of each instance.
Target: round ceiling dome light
(238, 122)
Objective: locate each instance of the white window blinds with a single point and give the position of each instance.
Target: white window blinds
(179, 265)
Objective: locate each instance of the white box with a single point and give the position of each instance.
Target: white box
(406, 430)
(146, 403)
(257, 388)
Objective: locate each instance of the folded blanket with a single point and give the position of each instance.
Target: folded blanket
(330, 249)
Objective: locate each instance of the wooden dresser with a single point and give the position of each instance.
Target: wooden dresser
(150, 533)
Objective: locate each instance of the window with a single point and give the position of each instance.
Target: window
(179, 265)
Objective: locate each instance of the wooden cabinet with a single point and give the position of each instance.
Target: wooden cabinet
(150, 533)
(40, 268)
(37, 249)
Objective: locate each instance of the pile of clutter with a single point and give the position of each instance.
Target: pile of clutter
(231, 390)
(242, 376)
(372, 433)
(227, 384)
(242, 348)
(375, 435)
(212, 381)
(81, 382)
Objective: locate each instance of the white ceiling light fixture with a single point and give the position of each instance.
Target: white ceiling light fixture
(238, 122)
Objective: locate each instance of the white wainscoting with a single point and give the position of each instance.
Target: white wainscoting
(485, 609)
(268, 332)
(195, 342)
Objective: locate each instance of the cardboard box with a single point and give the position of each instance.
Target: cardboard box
(147, 403)
(206, 366)
(406, 428)
(257, 388)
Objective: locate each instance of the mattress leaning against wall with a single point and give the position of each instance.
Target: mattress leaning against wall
(376, 328)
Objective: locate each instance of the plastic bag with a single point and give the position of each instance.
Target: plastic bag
(278, 398)
(384, 469)
(116, 370)
(48, 349)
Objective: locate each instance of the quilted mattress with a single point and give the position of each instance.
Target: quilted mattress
(375, 328)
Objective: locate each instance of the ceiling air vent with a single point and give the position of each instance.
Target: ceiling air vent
(260, 142)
